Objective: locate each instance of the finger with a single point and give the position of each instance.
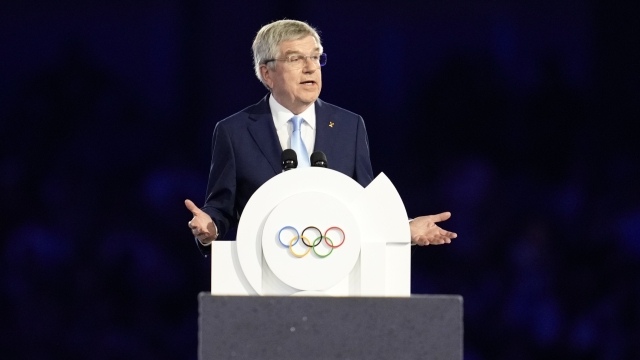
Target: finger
(205, 240)
(437, 240)
(197, 229)
(441, 217)
(203, 235)
(421, 240)
(444, 240)
(194, 223)
(448, 234)
(192, 207)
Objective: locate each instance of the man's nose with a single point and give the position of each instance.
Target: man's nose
(309, 66)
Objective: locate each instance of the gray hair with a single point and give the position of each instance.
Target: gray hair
(267, 41)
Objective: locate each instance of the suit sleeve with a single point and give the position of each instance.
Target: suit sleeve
(363, 171)
(221, 188)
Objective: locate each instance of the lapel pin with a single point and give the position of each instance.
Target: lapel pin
(331, 124)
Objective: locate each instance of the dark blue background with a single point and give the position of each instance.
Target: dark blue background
(519, 117)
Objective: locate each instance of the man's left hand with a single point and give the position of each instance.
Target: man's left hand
(424, 230)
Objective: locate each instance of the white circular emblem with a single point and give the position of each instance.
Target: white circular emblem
(295, 263)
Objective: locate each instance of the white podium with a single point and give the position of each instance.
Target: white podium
(343, 252)
(315, 231)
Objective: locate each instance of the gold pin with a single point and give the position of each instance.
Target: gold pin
(331, 123)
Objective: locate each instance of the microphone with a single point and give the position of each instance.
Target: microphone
(289, 160)
(319, 159)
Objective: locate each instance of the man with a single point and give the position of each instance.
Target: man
(246, 146)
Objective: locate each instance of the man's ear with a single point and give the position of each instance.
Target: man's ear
(266, 75)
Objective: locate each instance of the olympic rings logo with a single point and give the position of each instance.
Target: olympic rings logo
(311, 245)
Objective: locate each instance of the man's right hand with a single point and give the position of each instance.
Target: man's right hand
(202, 227)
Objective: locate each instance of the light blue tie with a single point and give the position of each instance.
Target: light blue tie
(297, 144)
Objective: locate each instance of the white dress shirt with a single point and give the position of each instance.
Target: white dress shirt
(284, 127)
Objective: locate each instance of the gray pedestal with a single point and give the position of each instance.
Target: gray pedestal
(265, 327)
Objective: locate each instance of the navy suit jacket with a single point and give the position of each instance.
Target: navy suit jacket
(246, 154)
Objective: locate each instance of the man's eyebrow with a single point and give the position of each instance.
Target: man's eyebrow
(289, 52)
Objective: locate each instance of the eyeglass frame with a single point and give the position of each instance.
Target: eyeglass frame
(305, 57)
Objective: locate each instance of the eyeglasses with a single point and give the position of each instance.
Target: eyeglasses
(297, 61)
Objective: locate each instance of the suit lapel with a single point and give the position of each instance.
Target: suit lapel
(264, 133)
(325, 134)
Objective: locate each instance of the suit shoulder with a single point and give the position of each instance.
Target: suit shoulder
(236, 118)
(243, 116)
(337, 111)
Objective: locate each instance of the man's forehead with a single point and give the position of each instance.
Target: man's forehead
(300, 45)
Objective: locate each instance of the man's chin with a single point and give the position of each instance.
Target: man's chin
(309, 98)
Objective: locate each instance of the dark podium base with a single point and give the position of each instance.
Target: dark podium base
(264, 328)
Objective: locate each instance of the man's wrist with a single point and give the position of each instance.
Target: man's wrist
(411, 240)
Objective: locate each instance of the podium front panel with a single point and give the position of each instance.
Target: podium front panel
(292, 327)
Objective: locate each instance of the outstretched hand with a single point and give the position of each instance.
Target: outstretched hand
(201, 225)
(424, 230)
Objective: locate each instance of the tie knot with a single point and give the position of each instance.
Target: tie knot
(297, 121)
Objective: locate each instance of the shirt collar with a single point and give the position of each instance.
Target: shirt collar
(282, 115)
